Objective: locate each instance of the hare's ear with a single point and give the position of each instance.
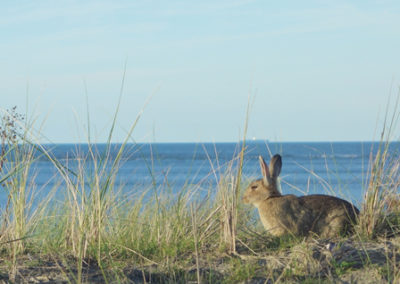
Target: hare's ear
(275, 166)
(265, 171)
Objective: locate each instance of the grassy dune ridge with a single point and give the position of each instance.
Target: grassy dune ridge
(98, 234)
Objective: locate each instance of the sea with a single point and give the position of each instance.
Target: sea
(336, 168)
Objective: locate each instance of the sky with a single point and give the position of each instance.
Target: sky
(314, 70)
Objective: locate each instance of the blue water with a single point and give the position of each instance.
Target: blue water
(338, 168)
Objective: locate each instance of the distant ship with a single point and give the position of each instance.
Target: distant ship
(255, 140)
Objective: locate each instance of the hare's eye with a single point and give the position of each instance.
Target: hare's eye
(254, 187)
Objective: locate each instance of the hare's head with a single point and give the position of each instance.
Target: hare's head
(261, 189)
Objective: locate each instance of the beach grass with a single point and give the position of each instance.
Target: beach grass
(98, 232)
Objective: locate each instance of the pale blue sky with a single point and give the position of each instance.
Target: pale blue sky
(320, 70)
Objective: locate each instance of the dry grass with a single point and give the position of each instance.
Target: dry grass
(380, 207)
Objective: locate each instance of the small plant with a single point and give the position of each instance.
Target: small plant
(342, 267)
(11, 131)
(240, 271)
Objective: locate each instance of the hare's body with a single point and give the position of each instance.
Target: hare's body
(331, 215)
(323, 215)
(273, 209)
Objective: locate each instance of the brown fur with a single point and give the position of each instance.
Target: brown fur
(322, 215)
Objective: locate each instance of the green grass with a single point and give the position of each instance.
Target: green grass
(168, 237)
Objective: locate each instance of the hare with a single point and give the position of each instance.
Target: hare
(322, 215)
